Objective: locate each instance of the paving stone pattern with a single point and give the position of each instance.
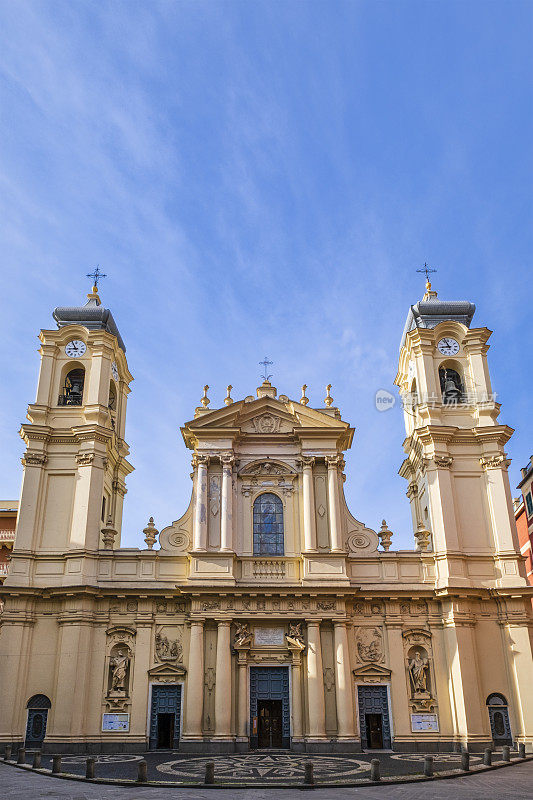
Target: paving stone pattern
(267, 767)
(511, 783)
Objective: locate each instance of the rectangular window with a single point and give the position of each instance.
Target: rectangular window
(529, 504)
(103, 508)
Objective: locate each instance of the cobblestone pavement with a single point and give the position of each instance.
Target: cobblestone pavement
(268, 767)
(511, 783)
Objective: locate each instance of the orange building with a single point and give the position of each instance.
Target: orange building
(8, 524)
(524, 518)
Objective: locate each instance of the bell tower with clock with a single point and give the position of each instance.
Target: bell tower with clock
(75, 464)
(455, 464)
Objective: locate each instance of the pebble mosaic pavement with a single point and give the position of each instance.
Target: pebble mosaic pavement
(512, 783)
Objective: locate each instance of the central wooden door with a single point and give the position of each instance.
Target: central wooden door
(270, 713)
(269, 707)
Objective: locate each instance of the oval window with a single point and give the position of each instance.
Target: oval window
(499, 725)
(37, 726)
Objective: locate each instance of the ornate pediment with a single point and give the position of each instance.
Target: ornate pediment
(266, 467)
(167, 672)
(372, 672)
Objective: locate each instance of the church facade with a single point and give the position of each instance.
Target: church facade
(266, 616)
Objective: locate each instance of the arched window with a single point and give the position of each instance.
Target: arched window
(268, 525)
(451, 386)
(496, 699)
(39, 701)
(72, 389)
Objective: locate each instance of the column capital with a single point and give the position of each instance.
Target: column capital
(200, 460)
(315, 622)
(335, 462)
(222, 621)
(196, 621)
(227, 459)
(339, 621)
(307, 462)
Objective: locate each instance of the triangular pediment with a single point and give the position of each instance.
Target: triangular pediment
(167, 670)
(374, 671)
(289, 413)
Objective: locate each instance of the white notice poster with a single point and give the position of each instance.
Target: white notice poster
(115, 722)
(424, 722)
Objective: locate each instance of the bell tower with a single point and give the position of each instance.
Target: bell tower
(75, 464)
(455, 464)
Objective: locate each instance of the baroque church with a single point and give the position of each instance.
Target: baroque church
(267, 615)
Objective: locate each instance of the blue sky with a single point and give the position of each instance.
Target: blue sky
(264, 178)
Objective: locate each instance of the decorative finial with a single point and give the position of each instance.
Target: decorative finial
(422, 537)
(229, 400)
(205, 399)
(304, 400)
(385, 536)
(426, 270)
(265, 364)
(108, 534)
(328, 400)
(150, 534)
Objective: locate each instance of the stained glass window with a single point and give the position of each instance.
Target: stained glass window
(268, 525)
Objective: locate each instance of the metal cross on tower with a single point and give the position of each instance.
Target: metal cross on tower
(426, 270)
(96, 275)
(265, 364)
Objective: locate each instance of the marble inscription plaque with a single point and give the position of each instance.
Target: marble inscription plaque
(269, 636)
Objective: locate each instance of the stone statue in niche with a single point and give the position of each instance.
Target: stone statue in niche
(295, 637)
(243, 637)
(119, 668)
(418, 667)
(369, 644)
(166, 650)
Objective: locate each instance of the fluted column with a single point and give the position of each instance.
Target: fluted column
(200, 504)
(223, 682)
(315, 682)
(226, 519)
(343, 683)
(335, 532)
(296, 676)
(242, 713)
(194, 699)
(309, 505)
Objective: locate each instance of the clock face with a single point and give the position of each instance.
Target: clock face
(448, 347)
(114, 370)
(75, 348)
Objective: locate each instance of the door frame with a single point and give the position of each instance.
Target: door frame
(33, 743)
(268, 665)
(387, 686)
(151, 684)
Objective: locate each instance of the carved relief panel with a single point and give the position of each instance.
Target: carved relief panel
(169, 644)
(369, 644)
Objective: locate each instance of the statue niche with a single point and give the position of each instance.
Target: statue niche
(119, 672)
(419, 674)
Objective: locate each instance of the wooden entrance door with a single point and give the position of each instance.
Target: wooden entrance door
(269, 733)
(374, 722)
(165, 717)
(374, 731)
